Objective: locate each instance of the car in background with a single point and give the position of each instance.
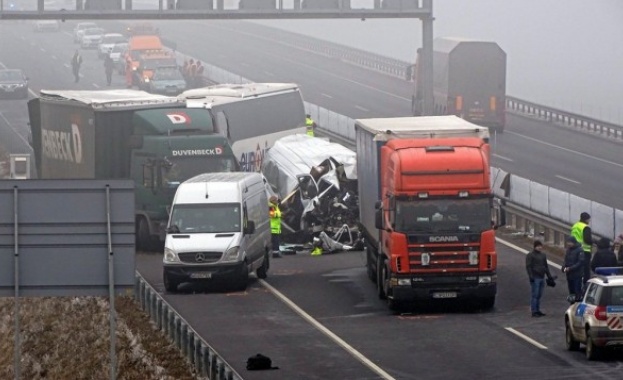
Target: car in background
(167, 80)
(92, 37)
(80, 28)
(108, 41)
(47, 26)
(117, 55)
(597, 320)
(13, 83)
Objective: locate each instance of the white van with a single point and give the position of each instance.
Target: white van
(252, 115)
(218, 229)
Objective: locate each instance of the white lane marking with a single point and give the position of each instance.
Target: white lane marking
(503, 158)
(524, 251)
(54, 57)
(96, 85)
(568, 179)
(269, 73)
(13, 129)
(566, 149)
(327, 96)
(42, 49)
(351, 350)
(526, 338)
(2, 65)
(362, 108)
(66, 65)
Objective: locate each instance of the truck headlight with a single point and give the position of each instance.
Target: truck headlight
(473, 257)
(487, 279)
(404, 281)
(170, 256)
(231, 254)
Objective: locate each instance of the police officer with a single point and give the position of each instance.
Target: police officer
(581, 231)
(275, 224)
(310, 125)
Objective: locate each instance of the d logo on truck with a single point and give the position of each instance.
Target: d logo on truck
(179, 118)
(63, 146)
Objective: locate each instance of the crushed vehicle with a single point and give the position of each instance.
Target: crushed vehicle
(316, 181)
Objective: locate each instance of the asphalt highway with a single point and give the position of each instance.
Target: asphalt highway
(319, 317)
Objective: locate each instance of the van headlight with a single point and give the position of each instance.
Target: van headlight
(170, 256)
(231, 254)
(487, 279)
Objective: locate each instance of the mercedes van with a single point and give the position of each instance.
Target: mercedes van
(218, 229)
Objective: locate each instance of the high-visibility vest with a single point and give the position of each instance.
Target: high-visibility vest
(275, 218)
(317, 251)
(309, 124)
(577, 231)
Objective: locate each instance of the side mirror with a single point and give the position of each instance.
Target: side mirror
(378, 219)
(250, 228)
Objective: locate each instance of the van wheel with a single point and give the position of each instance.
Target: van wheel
(169, 285)
(262, 271)
(243, 278)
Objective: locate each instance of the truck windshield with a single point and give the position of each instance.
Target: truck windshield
(206, 218)
(443, 215)
(182, 168)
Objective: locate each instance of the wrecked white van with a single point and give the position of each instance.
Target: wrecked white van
(218, 229)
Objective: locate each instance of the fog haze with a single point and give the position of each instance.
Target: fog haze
(563, 53)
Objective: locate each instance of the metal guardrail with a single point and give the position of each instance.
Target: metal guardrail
(199, 353)
(564, 118)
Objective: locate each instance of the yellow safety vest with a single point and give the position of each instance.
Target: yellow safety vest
(275, 218)
(577, 231)
(309, 124)
(317, 251)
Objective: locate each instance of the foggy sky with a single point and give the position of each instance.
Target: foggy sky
(564, 53)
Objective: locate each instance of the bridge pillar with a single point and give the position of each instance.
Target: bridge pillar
(426, 60)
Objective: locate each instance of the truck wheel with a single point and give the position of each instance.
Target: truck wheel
(243, 278)
(143, 238)
(169, 285)
(592, 351)
(262, 271)
(381, 271)
(370, 270)
(570, 342)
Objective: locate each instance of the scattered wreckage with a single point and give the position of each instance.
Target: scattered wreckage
(316, 181)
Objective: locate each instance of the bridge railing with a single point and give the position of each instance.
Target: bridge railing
(568, 119)
(206, 361)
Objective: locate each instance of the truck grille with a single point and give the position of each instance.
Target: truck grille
(200, 257)
(443, 256)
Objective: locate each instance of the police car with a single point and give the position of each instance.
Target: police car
(597, 320)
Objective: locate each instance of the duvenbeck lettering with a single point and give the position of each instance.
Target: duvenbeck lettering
(64, 146)
(443, 239)
(198, 152)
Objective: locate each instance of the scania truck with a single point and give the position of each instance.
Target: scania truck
(425, 209)
(153, 139)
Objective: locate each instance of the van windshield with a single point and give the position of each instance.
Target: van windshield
(206, 218)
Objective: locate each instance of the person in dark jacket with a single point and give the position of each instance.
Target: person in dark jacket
(573, 267)
(604, 257)
(537, 268)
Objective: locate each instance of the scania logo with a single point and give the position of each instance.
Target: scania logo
(443, 239)
(200, 257)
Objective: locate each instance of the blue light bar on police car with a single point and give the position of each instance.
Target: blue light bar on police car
(609, 271)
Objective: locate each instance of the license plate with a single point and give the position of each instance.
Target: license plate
(444, 295)
(201, 275)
